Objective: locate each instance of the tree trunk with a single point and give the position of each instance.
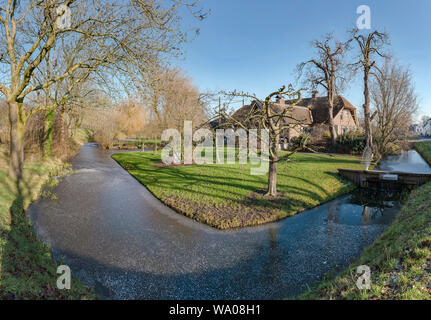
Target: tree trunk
(367, 116)
(272, 179)
(332, 126)
(273, 161)
(331, 93)
(17, 131)
(155, 144)
(48, 134)
(63, 131)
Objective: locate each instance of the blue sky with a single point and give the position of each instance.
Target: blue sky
(255, 45)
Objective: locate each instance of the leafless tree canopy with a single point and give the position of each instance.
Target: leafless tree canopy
(370, 46)
(45, 58)
(171, 98)
(329, 71)
(394, 103)
(275, 120)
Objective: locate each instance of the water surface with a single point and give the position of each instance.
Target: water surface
(117, 237)
(409, 161)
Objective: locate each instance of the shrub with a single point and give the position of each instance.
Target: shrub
(302, 143)
(351, 142)
(424, 148)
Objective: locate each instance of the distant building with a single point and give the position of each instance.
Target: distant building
(426, 129)
(310, 112)
(416, 129)
(297, 114)
(344, 113)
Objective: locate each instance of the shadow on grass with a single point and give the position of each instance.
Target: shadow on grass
(180, 181)
(227, 198)
(174, 179)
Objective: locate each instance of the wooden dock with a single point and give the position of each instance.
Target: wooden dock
(375, 179)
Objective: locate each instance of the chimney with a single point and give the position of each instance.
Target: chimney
(314, 94)
(279, 99)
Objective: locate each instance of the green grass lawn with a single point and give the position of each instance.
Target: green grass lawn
(424, 148)
(27, 269)
(228, 196)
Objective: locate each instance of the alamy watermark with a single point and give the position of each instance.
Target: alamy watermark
(64, 17)
(230, 146)
(364, 280)
(64, 280)
(364, 20)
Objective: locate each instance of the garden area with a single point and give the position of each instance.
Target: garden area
(228, 196)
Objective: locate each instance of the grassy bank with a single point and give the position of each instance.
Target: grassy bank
(27, 270)
(228, 196)
(139, 143)
(400, 259)
(424, 148)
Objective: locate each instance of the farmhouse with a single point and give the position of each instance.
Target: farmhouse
(309, 112)
(298, 117)
(345, 116)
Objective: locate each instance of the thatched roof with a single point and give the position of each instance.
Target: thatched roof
(298, 114)
(319, 108)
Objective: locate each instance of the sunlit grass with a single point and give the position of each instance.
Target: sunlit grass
(424, 148)
(227, 196)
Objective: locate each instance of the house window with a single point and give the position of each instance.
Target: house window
(347, 115)
(344, 129)
(336, 129)
(341, 116)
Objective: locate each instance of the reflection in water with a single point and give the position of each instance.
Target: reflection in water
(363, 207)
(410, 161)
(114, 234)
(332, 211)
(366, 215)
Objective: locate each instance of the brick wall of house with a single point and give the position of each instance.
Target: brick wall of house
(344, 122)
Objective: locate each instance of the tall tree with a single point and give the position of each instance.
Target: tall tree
(274, 120)
(328, 71)
(60, 97)
(114, 34)
(395, 103)
(370, 47)
(171, 98)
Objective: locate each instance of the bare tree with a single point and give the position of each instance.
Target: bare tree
(328, 71)
(60, 98)
(370, 46)
(4, 123)
(424, 119)
(114, 34)
(171, 98)
(131, 117)
(272, 119)
(395, 103)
